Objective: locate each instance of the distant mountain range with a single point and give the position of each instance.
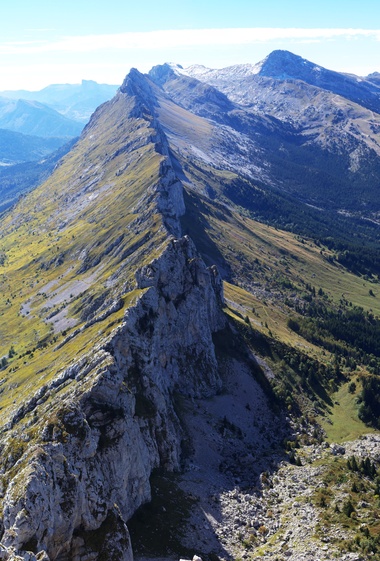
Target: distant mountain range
(74, 101)
(34, 118)
(34, 124)
(285, 123)
(300, 129)
(287, 67)
(19, 178)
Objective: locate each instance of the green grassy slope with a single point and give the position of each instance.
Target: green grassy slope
(273, 276)
(70, 248)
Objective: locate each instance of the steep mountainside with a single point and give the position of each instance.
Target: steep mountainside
(286, 66)
(81, 237)
(160, 345)
(374, 78)
(303, 140)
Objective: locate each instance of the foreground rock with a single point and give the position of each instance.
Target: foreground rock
(276, 516)
(110, 420)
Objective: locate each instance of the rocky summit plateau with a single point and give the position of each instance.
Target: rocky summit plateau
(190, 327)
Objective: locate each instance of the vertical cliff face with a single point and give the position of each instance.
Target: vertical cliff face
(178, 327)
(113, 420)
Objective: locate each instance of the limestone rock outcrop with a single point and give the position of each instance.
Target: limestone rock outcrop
(112, 419)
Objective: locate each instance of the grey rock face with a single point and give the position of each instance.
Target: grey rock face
(89, 471)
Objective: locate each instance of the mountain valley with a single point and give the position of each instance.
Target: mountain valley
(190, 324)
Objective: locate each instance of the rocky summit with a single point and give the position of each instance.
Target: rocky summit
(190, 321)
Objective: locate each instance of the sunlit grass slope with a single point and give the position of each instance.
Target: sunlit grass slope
(342, 423)
(70, 249)
(269, 274)
(268, 262)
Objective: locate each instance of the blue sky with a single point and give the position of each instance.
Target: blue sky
(64, 42)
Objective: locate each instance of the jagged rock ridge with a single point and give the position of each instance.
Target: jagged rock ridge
(124, 314)
(109, 438)
(109, 419)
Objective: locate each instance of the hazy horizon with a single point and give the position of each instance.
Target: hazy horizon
(59, 45)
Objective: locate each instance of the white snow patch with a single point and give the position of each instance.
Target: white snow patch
(236, 71)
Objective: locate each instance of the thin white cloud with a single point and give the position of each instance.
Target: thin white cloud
(184, 38)
(20, 46)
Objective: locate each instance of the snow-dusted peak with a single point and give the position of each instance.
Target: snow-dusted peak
(230, 72)
(284, 64)
(197, 70)
(177, 68)
(239, 82)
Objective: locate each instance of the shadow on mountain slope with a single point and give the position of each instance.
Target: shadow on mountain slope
(195, 224)
(231, 442)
